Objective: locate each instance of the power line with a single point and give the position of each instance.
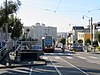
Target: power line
(57, 6)
(46, 9)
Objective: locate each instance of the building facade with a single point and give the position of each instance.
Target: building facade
(83, 36)
(75, 31)
(37, 31)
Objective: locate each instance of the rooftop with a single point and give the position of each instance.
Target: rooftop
(78, 27)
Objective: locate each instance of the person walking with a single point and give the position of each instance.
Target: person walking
(62, 48)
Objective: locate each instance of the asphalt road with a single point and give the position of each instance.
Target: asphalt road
(58, 63)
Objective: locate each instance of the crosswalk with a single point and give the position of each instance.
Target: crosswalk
(70, 56)
(93, 57)
(60, 53)
(90, 59)
(82, 57)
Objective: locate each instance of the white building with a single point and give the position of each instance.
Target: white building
(62, 35)
(75, 31)
(37, 31)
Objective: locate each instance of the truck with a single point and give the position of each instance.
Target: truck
(26, 51)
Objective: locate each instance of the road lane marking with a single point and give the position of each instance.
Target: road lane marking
(93, 57)
(75, 67)
(60, 53)
(18, 70)
(69, 57)
(57, 57)
(69, 54)
(55, 67)
(45, 57)
(52, 53)
(82, 57)
(91, 61)
(30, 73)
(64, 53)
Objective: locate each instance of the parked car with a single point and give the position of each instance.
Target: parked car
(77, 47)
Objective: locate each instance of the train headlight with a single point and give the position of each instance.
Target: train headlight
(50, 47)
(45, 47)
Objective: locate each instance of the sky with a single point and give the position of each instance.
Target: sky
(62, 14)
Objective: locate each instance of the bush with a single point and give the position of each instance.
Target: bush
(72, 49)
(98, 48)
(95, 43)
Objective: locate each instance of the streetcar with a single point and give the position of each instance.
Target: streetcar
(48, 44)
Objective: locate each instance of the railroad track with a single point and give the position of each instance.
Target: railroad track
(57, 67)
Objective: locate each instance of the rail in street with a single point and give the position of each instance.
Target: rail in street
(68, 63)
(62, 63)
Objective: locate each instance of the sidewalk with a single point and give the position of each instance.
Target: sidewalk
(25, 63)
(92, 51)
(97, 52)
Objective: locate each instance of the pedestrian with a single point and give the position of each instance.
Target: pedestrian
(62, 48)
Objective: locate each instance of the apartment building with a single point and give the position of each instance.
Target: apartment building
(83, 36)
(75, 31)
(38, 30)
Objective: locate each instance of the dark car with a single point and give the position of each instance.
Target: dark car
(77, 47)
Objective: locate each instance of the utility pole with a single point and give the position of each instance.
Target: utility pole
(6, 32)
(6, 24)
(94, 26)
(91, 30)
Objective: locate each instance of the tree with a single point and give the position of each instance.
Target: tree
(14, 24)
(87, 41)
(17, 29)
(95, 43)
(98, 36)
(68, 42)
(27, 31)
(75, 41)
(12, 7)
(63, 41)
(80, 41)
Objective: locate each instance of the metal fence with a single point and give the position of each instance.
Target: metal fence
(5, 50)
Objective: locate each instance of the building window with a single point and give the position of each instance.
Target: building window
(82, 35)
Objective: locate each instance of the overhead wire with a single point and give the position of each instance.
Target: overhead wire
(57, 7)
(46, 9)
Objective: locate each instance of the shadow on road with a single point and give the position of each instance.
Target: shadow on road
(49, 70)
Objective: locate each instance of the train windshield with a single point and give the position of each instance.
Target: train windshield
(48, 42)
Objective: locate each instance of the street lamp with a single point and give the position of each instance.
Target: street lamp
(91, 27)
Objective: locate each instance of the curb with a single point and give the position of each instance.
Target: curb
(37, 63)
